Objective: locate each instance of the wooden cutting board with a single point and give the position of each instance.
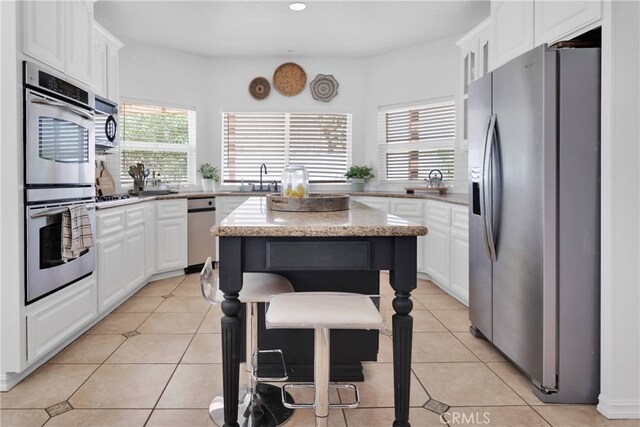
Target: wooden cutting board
(106, 183)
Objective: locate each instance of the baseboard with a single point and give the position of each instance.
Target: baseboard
(166, 275)
(619, 408)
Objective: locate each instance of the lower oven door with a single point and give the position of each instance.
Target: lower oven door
(46, 271)
(59, 142)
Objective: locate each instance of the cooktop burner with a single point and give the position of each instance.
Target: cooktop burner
(111, 198)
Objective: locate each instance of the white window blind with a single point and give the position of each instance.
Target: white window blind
(415, 140)
(163, 138)
(319, 141)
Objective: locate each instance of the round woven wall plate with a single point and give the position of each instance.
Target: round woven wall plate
(324, 87)
(289, 79)
(259, 88)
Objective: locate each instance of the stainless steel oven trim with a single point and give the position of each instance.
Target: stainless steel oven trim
(43, 282)
(79, 111)
(47, 172)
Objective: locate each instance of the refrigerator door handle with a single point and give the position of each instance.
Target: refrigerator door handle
(487, 185)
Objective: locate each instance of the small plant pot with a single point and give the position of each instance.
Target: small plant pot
(357, 185)
(207, 185)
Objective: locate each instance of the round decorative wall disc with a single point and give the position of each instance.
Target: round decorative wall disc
(324, 87)
(289, 79)
(259, 88)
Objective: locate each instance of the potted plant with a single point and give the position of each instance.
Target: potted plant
(359, 176)
(209, 177)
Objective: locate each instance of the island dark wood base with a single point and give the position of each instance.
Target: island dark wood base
(328, 254)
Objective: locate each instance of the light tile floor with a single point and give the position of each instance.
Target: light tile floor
(156, 361)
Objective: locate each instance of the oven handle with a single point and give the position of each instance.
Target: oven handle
(55, 211)
(64, 105)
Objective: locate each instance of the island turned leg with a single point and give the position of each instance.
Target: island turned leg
(231, 348)
(402, 324)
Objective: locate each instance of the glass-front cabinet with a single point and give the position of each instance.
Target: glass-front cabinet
(474, 52)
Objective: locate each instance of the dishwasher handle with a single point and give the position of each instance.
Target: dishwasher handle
(211, 209)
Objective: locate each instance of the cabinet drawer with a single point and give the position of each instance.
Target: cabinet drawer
(110, 222)
(381, 203)
(460, 218)
(438, 213)
(171, 209)
(135, 216)
(317, 255)
(407, 208)
(56, 319)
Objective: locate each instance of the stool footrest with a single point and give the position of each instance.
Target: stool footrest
(254, 369)
(312, 405)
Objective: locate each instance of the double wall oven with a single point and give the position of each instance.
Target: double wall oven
(59, 156)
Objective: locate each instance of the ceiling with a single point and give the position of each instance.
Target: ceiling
(269, 28)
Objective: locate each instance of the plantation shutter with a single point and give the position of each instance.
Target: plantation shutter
(162, 138)
(416, 140)
(321, 142)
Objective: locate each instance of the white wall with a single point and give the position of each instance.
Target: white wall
(215, 85)
(620, 247)
(221, 84)
(416, 73)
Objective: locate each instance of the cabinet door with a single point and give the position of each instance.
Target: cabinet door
(99, 68)
(54, 319)
(79, 36)
(460, 265)
(113, 91)
(555, 20)
(134, 257)
(110, 271)
(484, 47)
(437, 253)
(381, 203)
(171, 245)
(512, 24)
(150, 240)
(43, 24)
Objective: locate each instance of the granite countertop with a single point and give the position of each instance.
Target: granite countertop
(455, 198)
(253, 219)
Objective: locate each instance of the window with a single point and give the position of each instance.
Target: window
(162, 138)
(415, 140)
(319, 141)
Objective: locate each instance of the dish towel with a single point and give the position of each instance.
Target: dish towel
(76, 232)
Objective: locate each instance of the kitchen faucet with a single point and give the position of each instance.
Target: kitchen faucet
(265, 172)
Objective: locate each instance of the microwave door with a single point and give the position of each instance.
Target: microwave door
(58, 143)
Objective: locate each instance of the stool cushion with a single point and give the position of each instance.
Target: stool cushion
(333, 310)
(258, 287)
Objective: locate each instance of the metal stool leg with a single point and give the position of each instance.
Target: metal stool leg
(259, 405)
(321, 349)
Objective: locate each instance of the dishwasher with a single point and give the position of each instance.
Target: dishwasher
(201, 216)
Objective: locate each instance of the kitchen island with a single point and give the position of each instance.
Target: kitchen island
(344, 249)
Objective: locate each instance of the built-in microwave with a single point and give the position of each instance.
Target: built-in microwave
(106, 124)
(59, 130)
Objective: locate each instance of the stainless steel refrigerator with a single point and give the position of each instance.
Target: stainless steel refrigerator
(534, 214)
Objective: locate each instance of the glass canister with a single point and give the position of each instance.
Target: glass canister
(295, 181)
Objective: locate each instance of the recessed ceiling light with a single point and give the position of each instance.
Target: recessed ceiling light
(297, 6)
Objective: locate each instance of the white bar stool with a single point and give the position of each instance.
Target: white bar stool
(323, 311)
(259, 404)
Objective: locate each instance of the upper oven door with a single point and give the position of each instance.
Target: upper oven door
(59, 142)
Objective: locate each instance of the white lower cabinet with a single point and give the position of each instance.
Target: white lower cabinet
(52, 320)
(150, 239)
(134, 257)
(446, 249)
(437, 253)
(110, 271)
(171, 235)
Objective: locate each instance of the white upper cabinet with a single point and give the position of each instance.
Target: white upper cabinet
(79, 36)
(59, 33)
(559, 20)
(42, 31)
(512, 30)
(474, 60)
(105, 63)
